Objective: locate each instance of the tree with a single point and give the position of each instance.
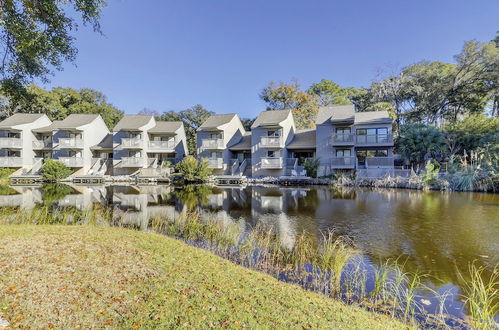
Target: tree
(329, 93)
(37, 36)
(247, 122)
(419, 143)
(192, 118)
(53, 170)
(289, 96)
(191, 170)
(60, 102)
(474, 132)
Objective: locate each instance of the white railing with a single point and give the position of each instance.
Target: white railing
(343, 162)
(378, 162)
(271, 162)
(10, 161)
(271, 142)
(70, 143)
(234, 166)
(40, 144)
(71, 161)
(215, 162)
(242, 167)
(170, 144)
(212, 143)
(10, 143)
(131, 143)
(374, 139)
(132, 161)
(343, 138)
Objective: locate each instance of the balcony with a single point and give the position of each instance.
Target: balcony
(132, 162)
(162, 145)
(216, 163)
(272, 162)
(132, 143)
(343, 162)
(375, 139)
(10, 143)
(70, 143)
(379, 162)
(10, 161)
(71, 161)
(42, 144)
(212, 144)
(272, 142)
(345, 139)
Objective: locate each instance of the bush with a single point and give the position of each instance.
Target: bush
(5, 172)
(311, 165)
(53, 170)
(418, 143)
(430, 174)
(192, 170)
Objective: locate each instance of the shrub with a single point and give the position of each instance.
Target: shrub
(430, 174)
(418, 143)
(5, 172)
(192, 170)
(53, 170)
(311, 165)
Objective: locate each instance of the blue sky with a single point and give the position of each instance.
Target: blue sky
(170, 55)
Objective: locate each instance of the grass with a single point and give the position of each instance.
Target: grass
(88, 276)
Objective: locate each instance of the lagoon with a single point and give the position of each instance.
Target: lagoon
(429, 232)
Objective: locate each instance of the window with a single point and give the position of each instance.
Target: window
(343, 153)
(274, 133)
(215, 155)
(135, 154)
(272, 154)
(216, 136)
(382, 153)
(343, 130)
(14, 135)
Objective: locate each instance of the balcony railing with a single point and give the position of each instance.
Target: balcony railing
(132, 143)
(379, 162)
(132, 162)
(343, 139)
(374, 139)
(215, 163)
(42, 144)
(10, 143)
(272, 162)
(170, 144)
(212, 143)
(272, 142)
(343, 162)
(71, 161)
(70, 143)
(10, 162)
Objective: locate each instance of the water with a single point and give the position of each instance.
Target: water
(434, 233)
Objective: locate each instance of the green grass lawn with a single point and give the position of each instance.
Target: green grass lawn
(85, 276)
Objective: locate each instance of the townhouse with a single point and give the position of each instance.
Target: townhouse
(20, 148)
(141, 144)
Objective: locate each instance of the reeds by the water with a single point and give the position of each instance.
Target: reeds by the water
(331, 264)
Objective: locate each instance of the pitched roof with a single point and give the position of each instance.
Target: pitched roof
(215, 121)
(166, 127)
(132, 122)
(48, 129)
(303, 139)
(243, 144)
(270, 118)
(106, 143)
(335, 113)
(76, 120)
(20, 119)
(372, 117)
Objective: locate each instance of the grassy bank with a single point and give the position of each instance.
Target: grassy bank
(87, 276)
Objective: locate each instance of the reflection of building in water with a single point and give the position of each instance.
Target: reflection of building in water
(25, 197)
(84, 197)
(140, 204)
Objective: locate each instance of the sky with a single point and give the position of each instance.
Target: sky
(170, 55)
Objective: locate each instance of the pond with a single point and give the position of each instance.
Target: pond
(434, 233)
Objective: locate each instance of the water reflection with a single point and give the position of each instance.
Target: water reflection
(434, 233)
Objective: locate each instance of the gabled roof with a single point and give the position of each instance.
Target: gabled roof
(166, 127)
(77, 120)
(335, 114)
(215, 121)
(270, 118)
(303, 139)
(132, 122)
(20, 119)
(48, 129)
(372, 117)
(105, 144)
(243, 144)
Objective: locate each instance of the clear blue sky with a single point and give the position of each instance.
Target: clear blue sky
(170, 55)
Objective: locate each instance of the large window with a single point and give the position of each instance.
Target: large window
(343, 153)
(343, 130)
(372, 135)
(274, 132)
(215, 155)
(272, 154)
